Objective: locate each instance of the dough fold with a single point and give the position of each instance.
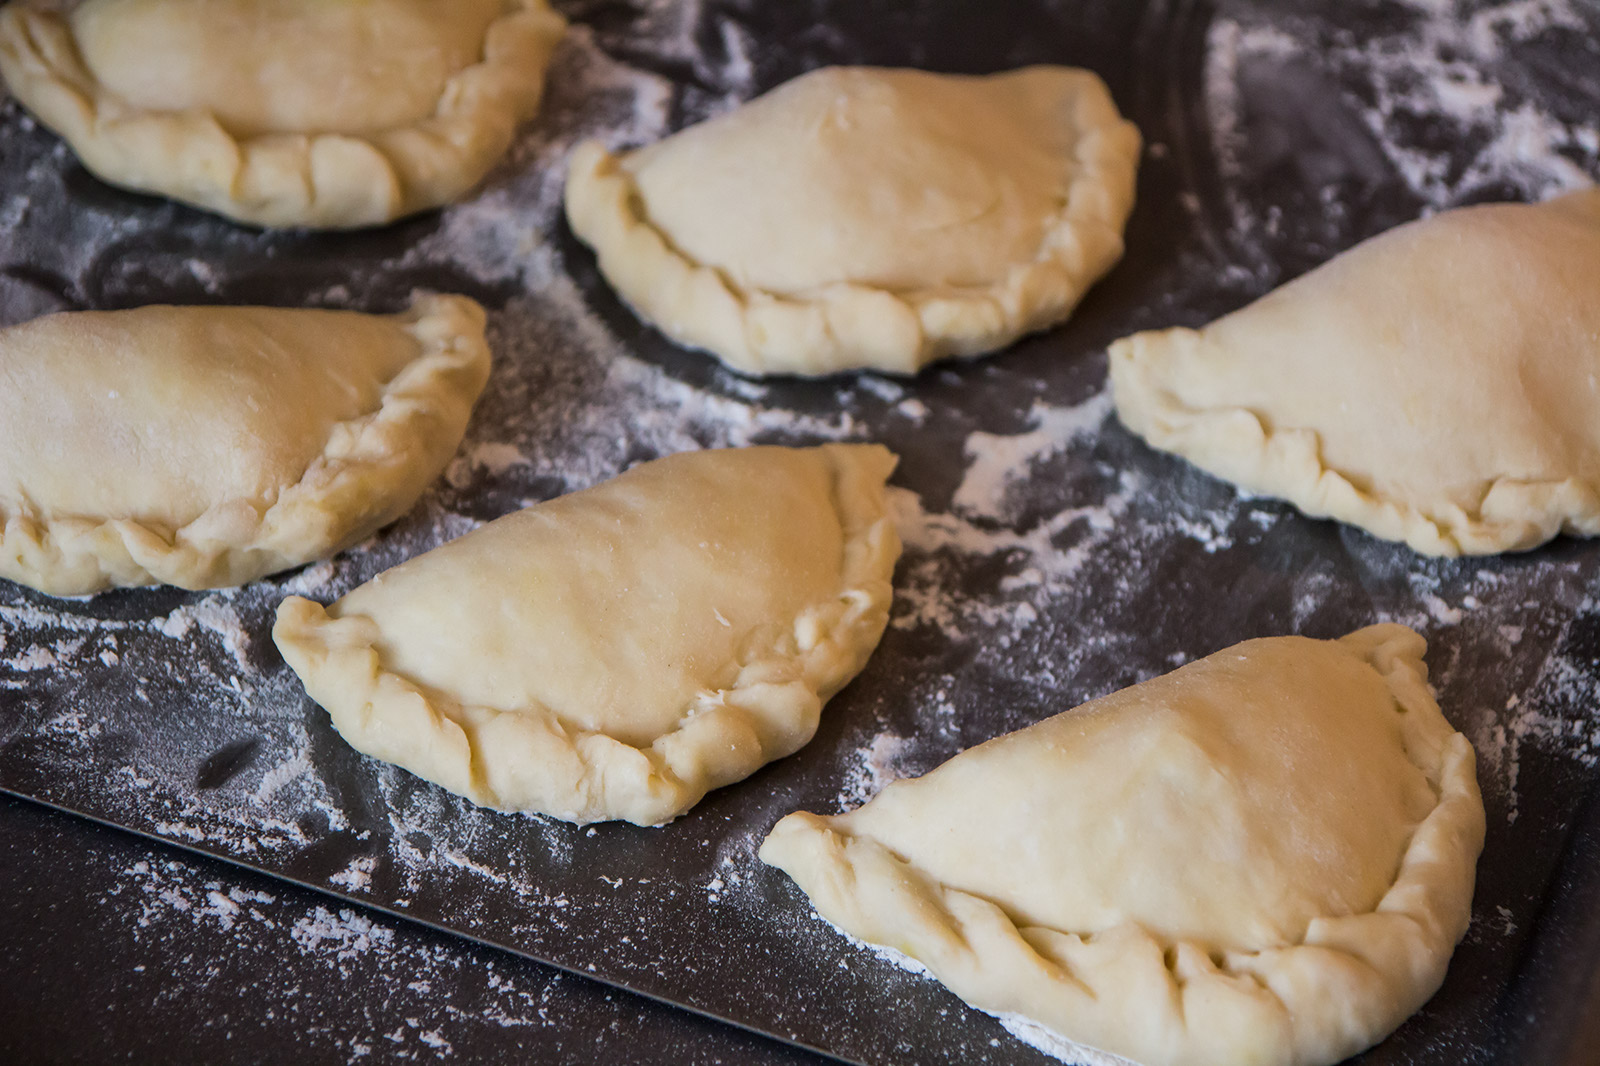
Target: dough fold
(1266, 857)
(366, 171)
(863, 218)
(618, 652)
(208, 446)
(1437, 385)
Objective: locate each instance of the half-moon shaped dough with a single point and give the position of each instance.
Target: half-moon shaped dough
(1265, 857)
(867, 218)
(1438, 384)
(207, 446)
(621, 651)
(321, 113)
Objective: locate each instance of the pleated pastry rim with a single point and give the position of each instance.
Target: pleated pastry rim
(1351, 980)
(371, 470)
(1286, 462)
(853, 326)
(547, 766)
(314, 180)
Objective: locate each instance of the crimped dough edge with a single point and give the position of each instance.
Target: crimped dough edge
(315, 180)
(1234, 443)
(371, 471)
(529, 760)
(850, 326)
(1349, 983)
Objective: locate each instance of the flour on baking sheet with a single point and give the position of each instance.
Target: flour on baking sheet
(1423, 90)
(175, 903)
(1046, 555)
(1023, 1028)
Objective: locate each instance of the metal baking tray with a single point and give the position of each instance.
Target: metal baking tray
(1051, 557)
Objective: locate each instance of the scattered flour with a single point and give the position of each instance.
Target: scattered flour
(1430, 93)
(998, 464)
(345, 935)
(1057, 1046)
(215, 616)
(174, 904)
(876, 766)
(357, 876)
(1051, 567)
(1025, 1029)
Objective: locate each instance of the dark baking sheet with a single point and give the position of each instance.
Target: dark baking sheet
(1277, 134)
(121, 949)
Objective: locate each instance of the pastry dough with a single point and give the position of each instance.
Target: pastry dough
(618, 652)
(1439, 384)
(207, 446)
(321, 113)
(867, 218)
(1265, 857)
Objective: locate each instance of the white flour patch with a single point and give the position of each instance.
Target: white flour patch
(882, 951)
(733, 872)
(176, 906)
(357, 876)
(34, 658)
(311, 580)
(490, 456)
(166, 891)
(214, 616)
(291, 769)
(345, 936)
(1057, 1046)
(876, 765)
(1427, 92)
(998, 463)
(1043, 561)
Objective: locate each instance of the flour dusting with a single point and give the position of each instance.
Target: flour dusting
(999, 464)
(174, 905)
(1430, 95)
(876, 766)
(1049, 557)
(1057, 1046)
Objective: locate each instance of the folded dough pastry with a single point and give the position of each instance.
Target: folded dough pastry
(207, 446)
(1438, 384)
(866, 218)
(321, 113)
(619, 652)
(1265, 857)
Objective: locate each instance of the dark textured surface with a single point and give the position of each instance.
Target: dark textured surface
(180, 736)
(100, 968)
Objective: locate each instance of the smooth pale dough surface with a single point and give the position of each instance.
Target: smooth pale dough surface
(207, 446)
(861, 217)
(1265, 857)
(1438, 384)
(318, 113)
(618, 652)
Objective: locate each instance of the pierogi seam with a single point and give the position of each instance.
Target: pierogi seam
(850, 325)
(370, 471)
(1348, 982)
(1238, 444)
(312, 179)
(770, 710)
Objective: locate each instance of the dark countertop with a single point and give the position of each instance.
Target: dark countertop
(115, 948)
